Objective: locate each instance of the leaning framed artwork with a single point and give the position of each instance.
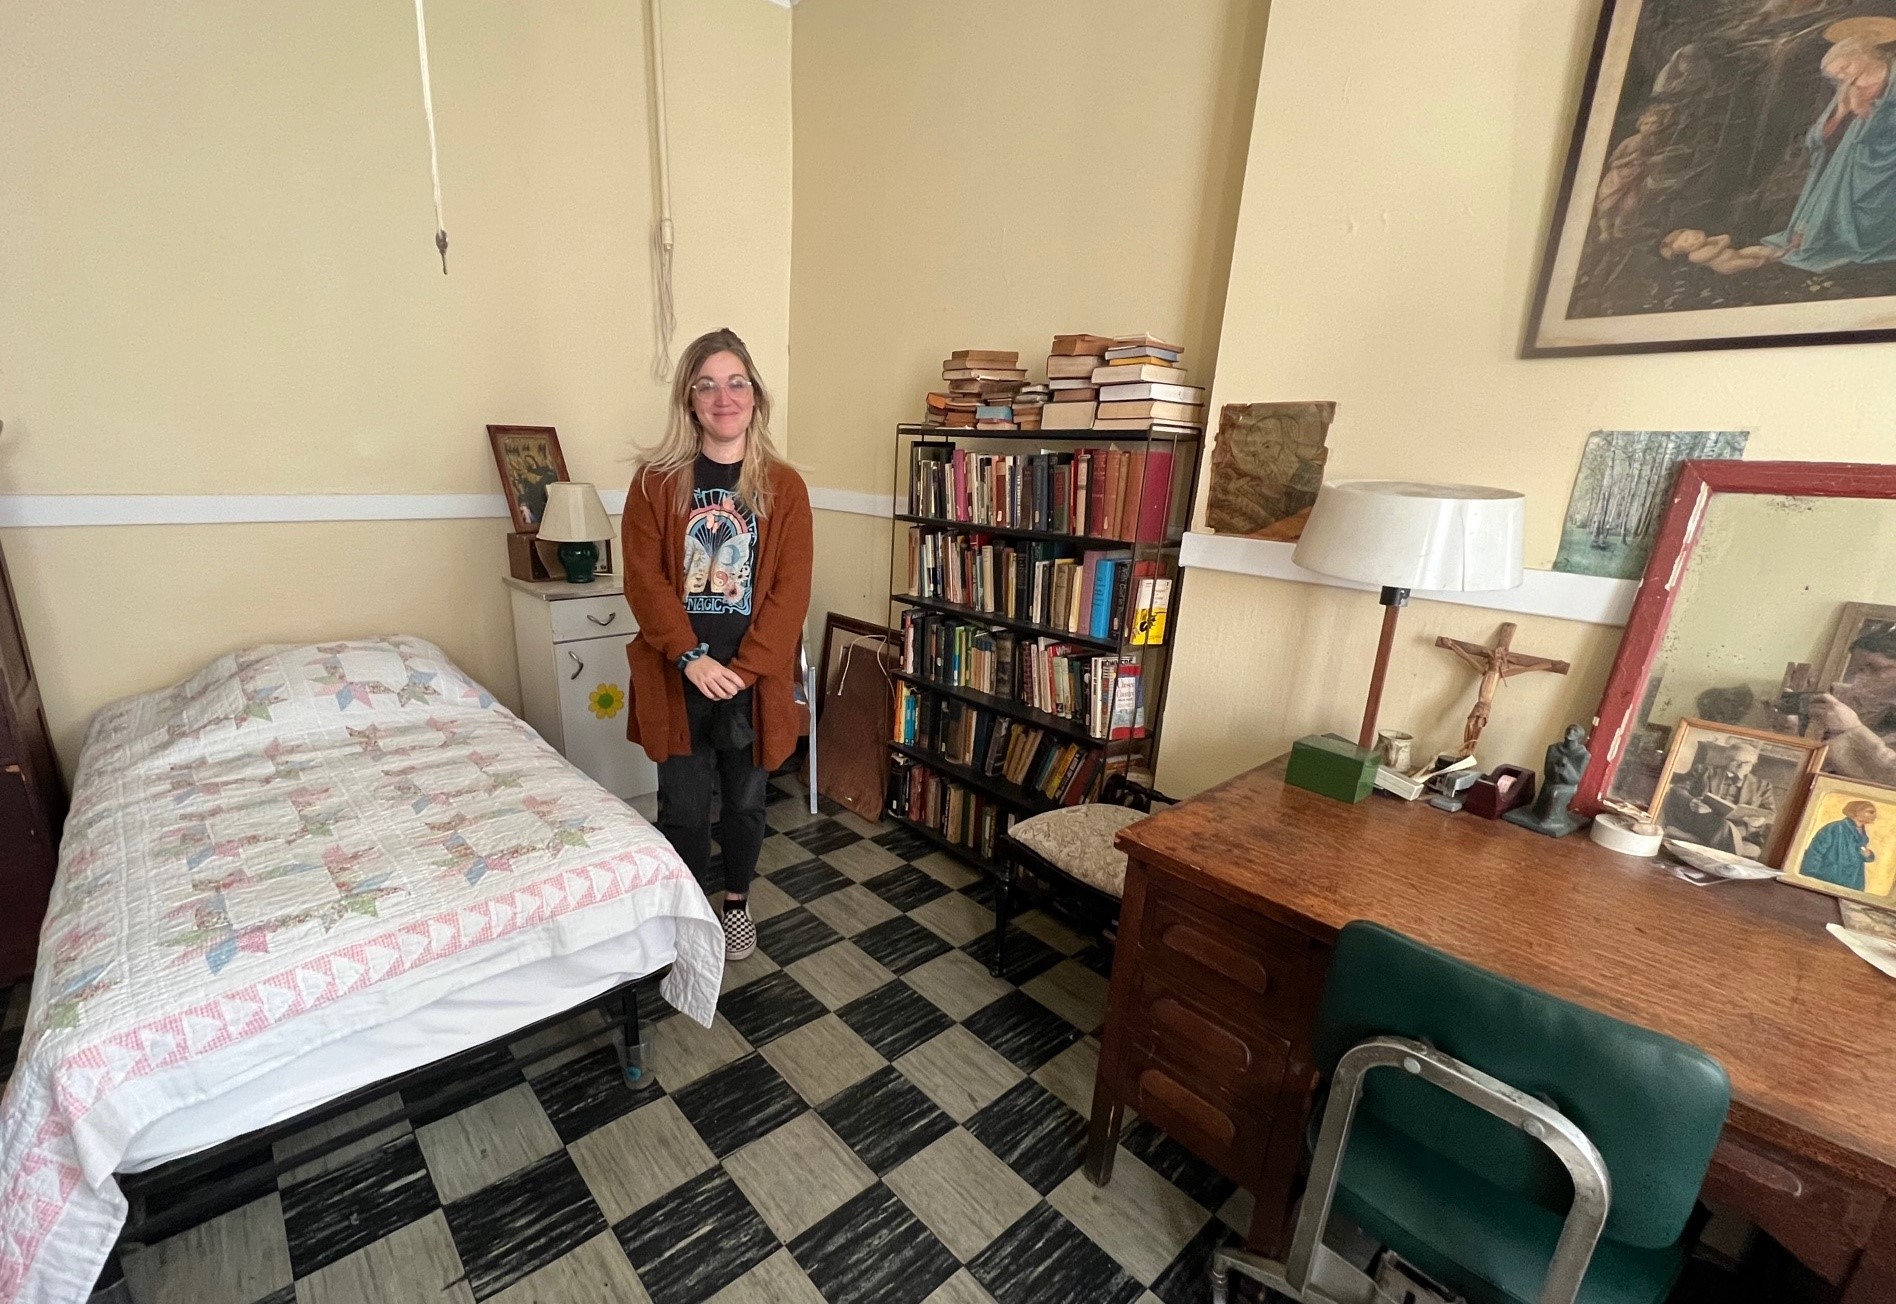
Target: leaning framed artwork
(1731, 181)
(529, 459)
(1733, 789)
(1845, 843)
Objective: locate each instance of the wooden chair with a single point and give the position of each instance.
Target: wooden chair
(1070, 852)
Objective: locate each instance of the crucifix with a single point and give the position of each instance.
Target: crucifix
(1495, 664)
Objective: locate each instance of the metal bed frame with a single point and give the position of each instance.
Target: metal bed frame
(190, 1173)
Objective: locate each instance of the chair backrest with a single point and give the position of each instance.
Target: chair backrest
(1652, 1105)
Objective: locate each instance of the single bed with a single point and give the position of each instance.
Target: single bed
(303, 871)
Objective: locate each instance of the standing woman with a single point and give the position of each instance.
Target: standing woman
(717, 570)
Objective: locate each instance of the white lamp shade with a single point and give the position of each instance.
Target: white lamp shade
(574, 514)
(1447, 538)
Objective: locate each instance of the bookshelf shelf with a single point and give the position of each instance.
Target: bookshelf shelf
(1006, 622)
(935, 836)
(1010, 532)
(1072, 730)
(1000, 789)
(969, 433)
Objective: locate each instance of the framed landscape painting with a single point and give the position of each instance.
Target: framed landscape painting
(1731, 181)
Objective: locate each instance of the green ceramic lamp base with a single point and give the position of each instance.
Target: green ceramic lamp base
(579, 559)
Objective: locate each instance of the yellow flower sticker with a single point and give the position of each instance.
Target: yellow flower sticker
(606, 701)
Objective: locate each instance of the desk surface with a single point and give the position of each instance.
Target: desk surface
(1806, 1030)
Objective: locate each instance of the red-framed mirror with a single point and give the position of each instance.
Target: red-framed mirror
(1757, 567)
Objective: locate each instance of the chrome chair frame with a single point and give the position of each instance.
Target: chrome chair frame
(1318, 1275)
(806, 674)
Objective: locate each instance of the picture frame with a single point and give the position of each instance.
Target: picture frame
(1826, 854)
(1708, 795)
(528, 459)
(1694, 211)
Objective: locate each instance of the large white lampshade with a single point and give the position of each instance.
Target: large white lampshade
(1447, 538)
(574, 514)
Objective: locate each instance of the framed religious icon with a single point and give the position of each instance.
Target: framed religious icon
(529, 459)
(1731, 181)
(1845, 844)
(1734, 789)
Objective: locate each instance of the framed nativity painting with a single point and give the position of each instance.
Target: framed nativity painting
(1731, 181)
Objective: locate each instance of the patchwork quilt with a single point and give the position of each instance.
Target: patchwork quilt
(291, 845)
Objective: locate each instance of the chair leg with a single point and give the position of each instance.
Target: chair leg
(1003, 902)
(809, 695)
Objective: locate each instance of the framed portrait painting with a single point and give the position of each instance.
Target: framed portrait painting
(529, 459)
(1734, 789)
(1731, 181)
(1845, 844)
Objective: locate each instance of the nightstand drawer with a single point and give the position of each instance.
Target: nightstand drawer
(591, 617)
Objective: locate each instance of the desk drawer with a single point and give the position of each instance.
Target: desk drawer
(591, 617)
(1233, 1140)
(1821, 1216)
(1253, 970)
(1244, 1065)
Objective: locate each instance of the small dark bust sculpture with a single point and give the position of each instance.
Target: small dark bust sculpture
(1550, 813)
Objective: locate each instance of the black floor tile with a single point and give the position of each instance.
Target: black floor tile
(1183, 1282)
(522, 1223)
(1034, 1133)
(788, 937)
(900, 944)
(585, 1094)
(1045, 1257)
(652, 1005)
(823, 835)
(1098, 957)
(885, 1119)
(1027, 956)
(688, 1245)
(766, 1009)
(904, 842)
(895, 1019)
(810, 880)
(333, 1215)
(455, 1083)
(1178, 1165)
(1026, 1033)
(906, 887)
(873, 1251)
(738, 1103)
(234, 1183)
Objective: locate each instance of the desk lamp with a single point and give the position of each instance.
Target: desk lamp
(576, 520)
(1399, 537)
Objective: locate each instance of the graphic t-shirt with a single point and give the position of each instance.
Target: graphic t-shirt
(720, 547)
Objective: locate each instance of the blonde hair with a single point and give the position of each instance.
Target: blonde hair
(678, 450)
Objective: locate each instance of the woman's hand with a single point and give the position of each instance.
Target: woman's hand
(1833, 715)
(714, 679)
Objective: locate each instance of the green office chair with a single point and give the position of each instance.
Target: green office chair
(1520, 1149)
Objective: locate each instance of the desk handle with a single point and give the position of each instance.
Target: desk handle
(1754, 1167)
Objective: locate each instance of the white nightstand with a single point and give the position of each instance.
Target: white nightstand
(570, 642)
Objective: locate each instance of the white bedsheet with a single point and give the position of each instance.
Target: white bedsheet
(284, 853)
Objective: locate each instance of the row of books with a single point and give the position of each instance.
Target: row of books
(962, 815)
(999, 746)
(1103, 693)
(1103, 492)
(1094, 382)
(1089, 595)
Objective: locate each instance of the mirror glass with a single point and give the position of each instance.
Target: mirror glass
(1777, 583)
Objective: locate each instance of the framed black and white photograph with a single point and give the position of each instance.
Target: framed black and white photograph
(1733, 789)
(1731, 181)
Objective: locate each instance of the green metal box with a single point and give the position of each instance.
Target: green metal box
(1333, 766)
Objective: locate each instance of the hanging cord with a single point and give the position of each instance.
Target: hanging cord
(665, 318)
(434, 157)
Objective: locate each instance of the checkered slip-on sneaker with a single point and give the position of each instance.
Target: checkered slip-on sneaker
(740, 933)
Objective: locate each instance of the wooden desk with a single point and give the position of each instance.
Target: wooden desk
(1233, 902)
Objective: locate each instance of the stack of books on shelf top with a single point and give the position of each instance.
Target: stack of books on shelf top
(1141, 384)
(979, 391)
(1073, 397)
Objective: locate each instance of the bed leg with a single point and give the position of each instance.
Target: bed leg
(625, 1039)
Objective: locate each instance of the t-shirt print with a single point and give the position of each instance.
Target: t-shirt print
(720, 541)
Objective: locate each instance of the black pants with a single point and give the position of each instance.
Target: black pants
(689, 785)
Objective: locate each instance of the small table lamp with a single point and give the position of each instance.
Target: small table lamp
(1399, 536)
(575, 519)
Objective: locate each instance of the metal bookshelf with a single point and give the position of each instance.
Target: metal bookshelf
(1153, 660)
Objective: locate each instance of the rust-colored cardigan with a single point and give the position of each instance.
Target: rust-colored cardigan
(653, 558)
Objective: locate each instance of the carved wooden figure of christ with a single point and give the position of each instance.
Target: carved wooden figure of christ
(1495, 664)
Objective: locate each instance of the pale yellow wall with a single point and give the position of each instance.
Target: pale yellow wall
(219, 278)
(1399, 184)
(956, 187)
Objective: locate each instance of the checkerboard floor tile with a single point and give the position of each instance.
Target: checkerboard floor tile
(873, 1117)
